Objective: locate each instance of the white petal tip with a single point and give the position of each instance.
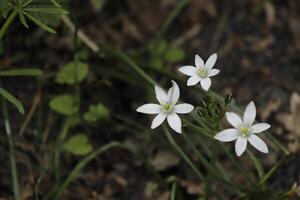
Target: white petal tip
(190, 84)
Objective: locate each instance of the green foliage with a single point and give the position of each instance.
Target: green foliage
(78, 145)
(96, 113)
(174, 55)
(64, 104)
(41, 12)
(98, 4)
(211, 111)
(72, 72)
(160, 53)
(12, 100)
(39, 23)
(21, 72)
(4, 8)
(17, 72)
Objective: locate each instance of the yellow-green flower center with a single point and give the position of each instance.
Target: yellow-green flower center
(202, 72)
(167, 107)
(244, 131)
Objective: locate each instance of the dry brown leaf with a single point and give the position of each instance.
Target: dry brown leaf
(191, 187)
(262, 44)
(291, 121)
(270, 14)
(164, 160)
(271, 106)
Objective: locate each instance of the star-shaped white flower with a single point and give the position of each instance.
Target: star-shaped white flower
(201, 72)
(244, 131)
(167, 108)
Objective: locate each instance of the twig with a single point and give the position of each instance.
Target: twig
(34, 105)
(86, 40)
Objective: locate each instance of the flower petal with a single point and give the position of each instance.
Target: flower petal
(260, 127)
(233, 119)
(161, 95)
(198, 61)
(183, 108)
(193, 80)
(240, 146)
(175, 122)
(149, 108)
(205, 83)
(258, 143)
(213, 72)
(175, 93)
(227, 135)
(211, 61)
(158, 120)
(250, 113)
(188, 70)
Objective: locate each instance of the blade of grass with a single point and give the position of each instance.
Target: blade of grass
(12, 100)
(182, 154)
(7, 23)
(21, 72)
(257, 164)
(271, 171)
(72, 175)
(12, 154)
(39, 23)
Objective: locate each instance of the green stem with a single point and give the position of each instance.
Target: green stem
(203, 132)
(183, 155)
(210, 168)
(173, 190)
(125, 58)
(7, 23)
(12, 153)
(175, 12)
(271, 171)
(197, 128)
(61, 137)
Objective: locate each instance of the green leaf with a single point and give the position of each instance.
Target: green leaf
(174, 55)
(4, 8)
(12, 100)
(24, 3)
(49, 10)
(78, 145)
(64, 104)
(71, 72)
(96, 113)
(21, 72)
(55, 3)
(157, 47)
(157, 62)
(23, 20)
(39, 23)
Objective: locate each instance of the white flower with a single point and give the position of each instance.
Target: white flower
(201, 72)
(167, 108)
(244, 131)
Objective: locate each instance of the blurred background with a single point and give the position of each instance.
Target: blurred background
(258, 45)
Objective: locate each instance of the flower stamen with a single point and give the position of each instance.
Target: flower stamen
(245, 131)
(167, 107)
(202, 72)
